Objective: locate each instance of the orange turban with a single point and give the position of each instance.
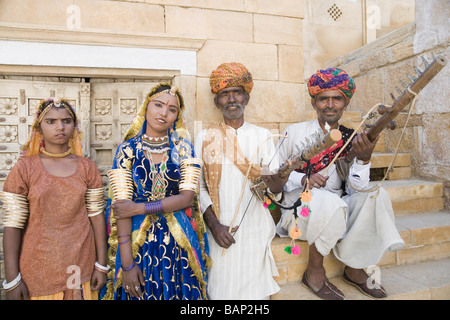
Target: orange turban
(231, 74)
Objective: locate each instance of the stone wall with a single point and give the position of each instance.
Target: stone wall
(380, 66)
(335, 28)
(265, 38)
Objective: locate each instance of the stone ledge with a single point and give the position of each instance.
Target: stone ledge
(52, 34)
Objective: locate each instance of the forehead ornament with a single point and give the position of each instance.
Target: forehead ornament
(173, 90)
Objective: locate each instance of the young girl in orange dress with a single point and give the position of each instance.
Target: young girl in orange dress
(55, 233)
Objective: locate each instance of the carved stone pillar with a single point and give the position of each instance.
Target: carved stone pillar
(85, 115)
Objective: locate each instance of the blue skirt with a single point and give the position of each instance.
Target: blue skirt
(165, 266)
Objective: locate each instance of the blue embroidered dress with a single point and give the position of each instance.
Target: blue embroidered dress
(170, 248)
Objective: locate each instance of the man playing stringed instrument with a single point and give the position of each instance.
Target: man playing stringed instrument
(344, 217)
(233, 152)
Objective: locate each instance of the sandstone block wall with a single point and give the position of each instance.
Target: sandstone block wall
(380, 66)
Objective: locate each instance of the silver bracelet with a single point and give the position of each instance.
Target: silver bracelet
(12, 284)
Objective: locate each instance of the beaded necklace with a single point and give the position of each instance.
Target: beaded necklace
(155, 144)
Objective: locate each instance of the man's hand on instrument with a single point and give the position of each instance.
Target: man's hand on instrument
(274, 182)
(316, 180)
(363, 147)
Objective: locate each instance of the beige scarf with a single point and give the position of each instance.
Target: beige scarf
(221, 139)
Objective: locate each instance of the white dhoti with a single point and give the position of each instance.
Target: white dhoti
(358, 228)
(371, 230)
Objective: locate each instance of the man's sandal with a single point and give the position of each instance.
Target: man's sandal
(327, 292)
(378, 293)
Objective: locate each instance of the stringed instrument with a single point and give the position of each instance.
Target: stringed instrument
(318, 144)
(405, 98)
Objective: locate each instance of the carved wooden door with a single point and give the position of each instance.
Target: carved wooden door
(105, 109)
(113, 107)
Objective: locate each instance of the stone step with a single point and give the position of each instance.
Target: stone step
(383, 160)
(429, 280)
(426, 236)
(380, 161)
(410, 196)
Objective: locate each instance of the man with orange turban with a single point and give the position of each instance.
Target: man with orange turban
(234, 154)
(353, 221)
(232, 74)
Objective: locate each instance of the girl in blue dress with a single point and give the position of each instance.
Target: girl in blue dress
(157, 243)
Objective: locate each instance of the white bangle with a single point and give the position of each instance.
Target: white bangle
(13, 283)
(362, 162)
(99, 266)
(90, 215)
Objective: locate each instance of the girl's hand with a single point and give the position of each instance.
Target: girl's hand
(18, 293)
(132, 281)
(125, 209)
(98, 280)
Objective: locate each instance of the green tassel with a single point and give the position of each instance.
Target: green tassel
(271, 206)
(288, 249)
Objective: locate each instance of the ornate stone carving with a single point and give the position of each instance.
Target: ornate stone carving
(102, 106)
(128, 106)
(84, 113)
(7, 160)
(103, 132)
(32, 105)
(8, 106)
(8, 134)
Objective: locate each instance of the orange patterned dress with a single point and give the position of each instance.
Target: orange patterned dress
(58, 248)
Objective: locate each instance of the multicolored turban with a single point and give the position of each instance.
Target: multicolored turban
(231, 74)
(331, 79)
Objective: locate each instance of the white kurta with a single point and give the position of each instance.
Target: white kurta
(247, 269)
(364, 224)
